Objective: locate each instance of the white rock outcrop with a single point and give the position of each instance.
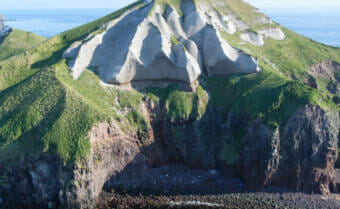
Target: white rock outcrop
(253, 38)
(4, 30)
(274, 33)
(257, 38)
(155, 44)
(2, 19)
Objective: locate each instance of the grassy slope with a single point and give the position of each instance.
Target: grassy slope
(42, 109)
(271, 95)
(291, 57)
(17, 42)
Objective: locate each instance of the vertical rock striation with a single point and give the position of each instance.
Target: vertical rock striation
(302, 157)
(155, 44)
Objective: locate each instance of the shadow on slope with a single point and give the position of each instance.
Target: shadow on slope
(28, 111)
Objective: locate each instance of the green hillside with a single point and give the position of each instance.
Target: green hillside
(42, 109)
(18, 41)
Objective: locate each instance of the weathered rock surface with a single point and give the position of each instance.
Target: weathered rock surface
(4, 30)
(149, 44)
(308, 148)
(258, 38)
(260, 157)
(2, 19)
(327, 70)
(34, 182)
(45, 182)
(111, 151)
(253, 38)
(302, 157)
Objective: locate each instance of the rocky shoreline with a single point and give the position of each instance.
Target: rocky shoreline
(255, 200)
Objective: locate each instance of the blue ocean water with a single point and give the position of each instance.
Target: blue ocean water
(322, 24)
(49, 23)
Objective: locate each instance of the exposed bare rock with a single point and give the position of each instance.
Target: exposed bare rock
(35, 182)
(47, 182)
(260, 157)
(3, 29)
(2, 19)
(220, 58)
(264, 20)
(257, 38)
(148, 44)
(302, 157)
(274, 33)
(308, 149)
(253, 38)
(111, 151)
(327, 70)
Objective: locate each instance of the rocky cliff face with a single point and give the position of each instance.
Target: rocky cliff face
(2, 19)
(3, 29)
(327, 70)
(301, 156)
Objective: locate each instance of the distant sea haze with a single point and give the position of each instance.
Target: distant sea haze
(322, 25)
(49, 23)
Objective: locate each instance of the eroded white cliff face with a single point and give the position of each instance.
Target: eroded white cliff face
(1, 22)
(158, 44)
(3, 29)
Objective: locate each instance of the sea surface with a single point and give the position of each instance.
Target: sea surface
(49, 23)
(322, 24)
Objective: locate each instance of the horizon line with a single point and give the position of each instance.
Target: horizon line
(88, 8)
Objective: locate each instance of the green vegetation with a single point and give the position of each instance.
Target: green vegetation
(292, 56)
(265, 95)
(82, 31)
(230, 153)
(243, 10)
(176, 4)
(174, 40)
(17, 42)
(42, 109)
(180, 105)
(138, 124)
